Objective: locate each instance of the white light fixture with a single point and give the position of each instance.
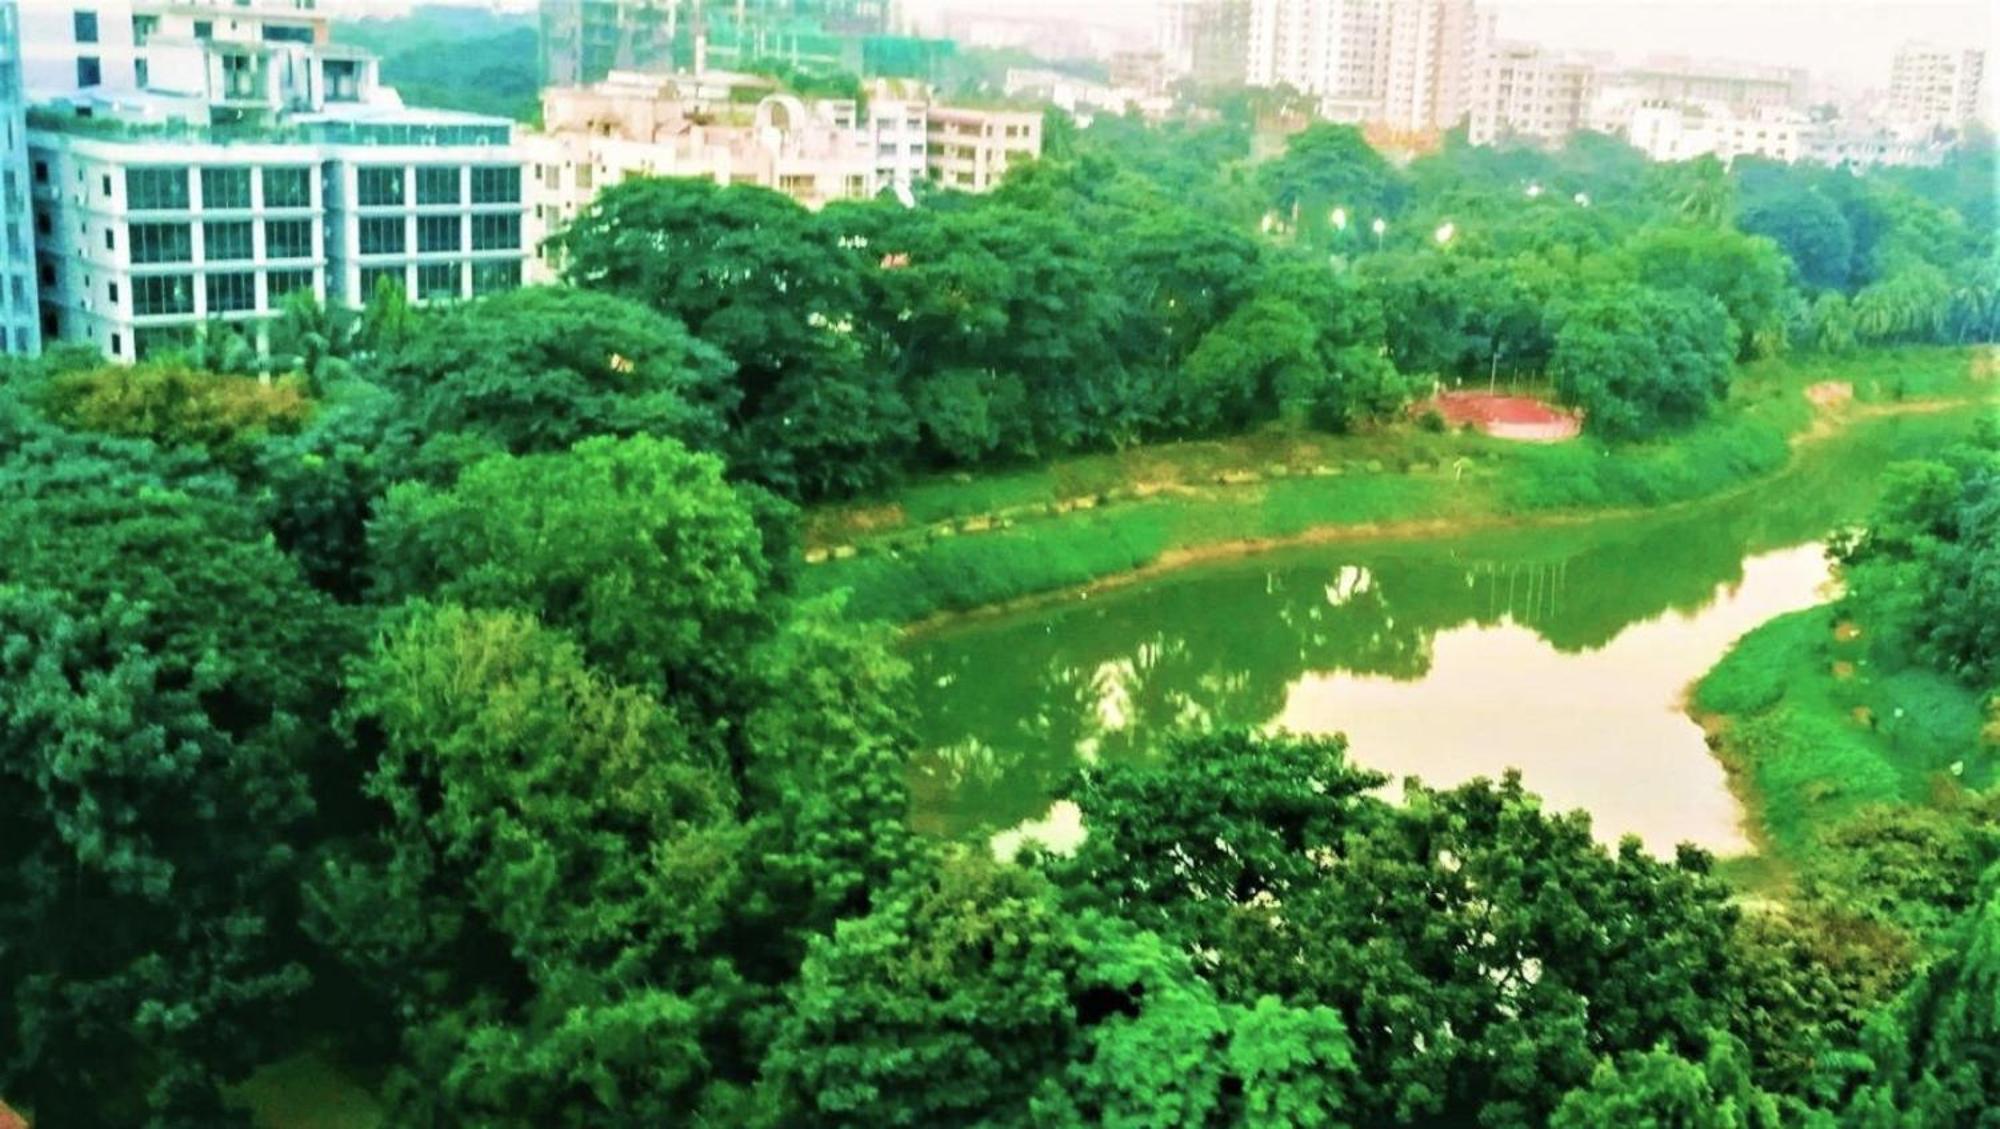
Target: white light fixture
(1444, 232)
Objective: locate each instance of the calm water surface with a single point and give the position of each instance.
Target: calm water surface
(1564, 653)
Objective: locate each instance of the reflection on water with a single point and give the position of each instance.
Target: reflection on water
(1563, 652)
(1601, 729)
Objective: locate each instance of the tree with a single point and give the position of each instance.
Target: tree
(1329, 166)
(1935, 1055)
(1812, 232)
(636, 546)
(1746, 274)
(1482, 955)
(1639, 362)
(538, 369)
(1658, 1089)
(163, 701)
(559, 853)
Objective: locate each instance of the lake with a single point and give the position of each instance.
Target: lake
(1562, 651)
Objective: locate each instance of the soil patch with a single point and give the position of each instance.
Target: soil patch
(1521, 418)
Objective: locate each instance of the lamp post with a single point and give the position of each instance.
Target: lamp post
(1444, 233)
(1378, 227)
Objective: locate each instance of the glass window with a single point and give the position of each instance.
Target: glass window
(438, 281)
(142, 29)
(204, 29)
(373, 279)
(382, 236)
(228, 293)
(288, 188)
(439, 186)
(156, 189)
(89, 72)
(280, 33)
(439, 233)
(279, 283)
(378, 186)
(496, 233)
(85, 25)
(288, 239)
(491, 278)
(496, 185)
(162, 294)
(226, 242)
(162, 242)
(225, 188)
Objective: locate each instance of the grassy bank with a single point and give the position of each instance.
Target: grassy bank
(954, 544)
(1814, 732)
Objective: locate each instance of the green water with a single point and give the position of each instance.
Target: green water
(1563, 652)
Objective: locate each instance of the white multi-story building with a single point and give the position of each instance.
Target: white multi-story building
(1677, 131)
(143, 236)
(1409, 65)
(161, 45)
(1936, 87)
(20, 325)
(1526, 91)
(257, 161)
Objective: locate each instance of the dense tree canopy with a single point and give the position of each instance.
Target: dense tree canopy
(434, 696)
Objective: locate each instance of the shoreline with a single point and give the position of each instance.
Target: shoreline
(1829, 422)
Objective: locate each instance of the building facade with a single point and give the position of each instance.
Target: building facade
(140, 241)
(20, 321)
(1936, 87)
(244, 159)
(1206, 41)
(971, 150)
(1409, 65)
(1525, 91)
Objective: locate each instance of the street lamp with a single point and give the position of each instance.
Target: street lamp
(1378, 227)
(1340, 219)
(1534, 190)
(1583, 199)
(1445, 231)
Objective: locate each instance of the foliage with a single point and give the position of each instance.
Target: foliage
(457, 58)
(162, 702)
(1640, 361)
(175, 405)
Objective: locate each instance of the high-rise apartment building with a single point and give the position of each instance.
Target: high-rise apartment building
(1207, 41)
(1526, 91)
(1407, 64)
(20, 326)
(246, 158)
(1936, 87)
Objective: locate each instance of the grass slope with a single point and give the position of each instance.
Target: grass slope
(955, 544)
(1814, 733)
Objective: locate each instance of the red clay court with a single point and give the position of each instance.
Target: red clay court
(1522, 418)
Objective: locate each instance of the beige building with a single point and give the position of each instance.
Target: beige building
(1936, 87)
(737, 129)
(1526, 91)
(970, 150)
